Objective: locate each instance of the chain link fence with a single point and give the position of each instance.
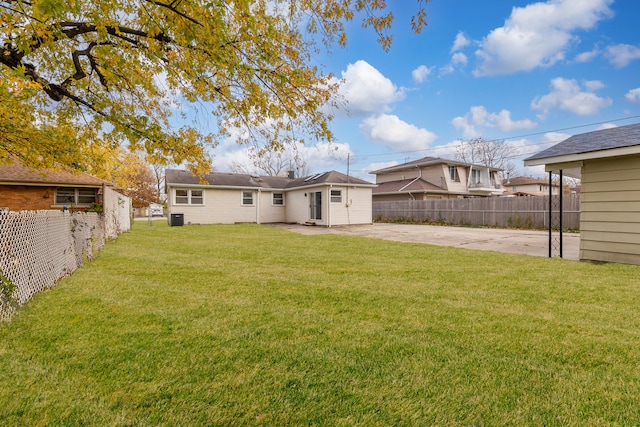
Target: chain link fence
(38, 248)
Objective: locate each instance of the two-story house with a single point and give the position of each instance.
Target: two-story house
(435, 178)
(528, 186)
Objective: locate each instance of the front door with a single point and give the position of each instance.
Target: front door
(315, 205)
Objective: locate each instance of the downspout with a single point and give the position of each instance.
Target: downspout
(414, 180)
(258, 206)
(329, 206)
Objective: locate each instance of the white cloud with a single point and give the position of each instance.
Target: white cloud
(593, 85)
(587, 56)
(478, 116)
(368, 91)
(567, 95)
(621, 55)
(390, 131)
(459, 59)
(380, 165)
(537, 35)
(633, 95)
(421, 73)
(460, 42)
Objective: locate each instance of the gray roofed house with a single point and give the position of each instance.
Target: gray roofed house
(329, 198)
(608, 163)
(435, 178)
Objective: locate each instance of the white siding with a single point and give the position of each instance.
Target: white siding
(356, 207)
(220, 207)
(610, 205)
(297, 210)
(270, 212)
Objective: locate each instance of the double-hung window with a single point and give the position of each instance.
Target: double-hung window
(453, 174)
(247, 198)
(277, 199)
(187, 196)
(336, 196)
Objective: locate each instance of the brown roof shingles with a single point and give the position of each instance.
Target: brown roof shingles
(16, 173)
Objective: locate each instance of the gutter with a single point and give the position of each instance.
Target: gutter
(417, 178)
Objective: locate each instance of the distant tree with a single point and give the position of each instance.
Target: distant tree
(120, 71)
(491, 153)
(136, 179)
(272, 160)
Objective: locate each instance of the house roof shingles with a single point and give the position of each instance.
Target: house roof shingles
(425, 161)
(599, 140)
(16, 173)
(407, 186)
(222, 179)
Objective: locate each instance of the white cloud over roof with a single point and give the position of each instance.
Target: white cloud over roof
(568, 95)
(396, 134)
(537, 35)
(478, 116)
(633, 95)
(367, 90)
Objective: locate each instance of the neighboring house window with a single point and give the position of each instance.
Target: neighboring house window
(247, 198)
(189, 197)
(453, 174)
(475, 176)
(336, 196)
(277, 199)
(75, 196)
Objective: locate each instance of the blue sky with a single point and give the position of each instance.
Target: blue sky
(531, 73)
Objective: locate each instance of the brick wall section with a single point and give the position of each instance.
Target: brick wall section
(21, 197)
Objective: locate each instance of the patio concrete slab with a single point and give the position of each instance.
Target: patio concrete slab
(522, 242)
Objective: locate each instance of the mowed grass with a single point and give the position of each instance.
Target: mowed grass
(252, 325)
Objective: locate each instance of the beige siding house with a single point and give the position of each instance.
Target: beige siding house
(435, 178)
(527, 186)
(608, 162)
(326, 199)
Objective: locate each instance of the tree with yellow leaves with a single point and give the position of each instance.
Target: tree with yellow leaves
(76, 73)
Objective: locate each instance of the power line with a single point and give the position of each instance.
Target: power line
(434, 149)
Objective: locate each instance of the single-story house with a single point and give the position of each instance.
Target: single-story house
(435, 178)
(326, 199)
(608, 163)
(24, 188)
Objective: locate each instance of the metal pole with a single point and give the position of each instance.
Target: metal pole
(550, 214)
(560, 213)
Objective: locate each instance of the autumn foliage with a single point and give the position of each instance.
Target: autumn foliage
(79, 73)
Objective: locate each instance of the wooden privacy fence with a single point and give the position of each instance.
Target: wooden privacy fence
(504, 212)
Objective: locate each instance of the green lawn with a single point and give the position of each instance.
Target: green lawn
(251, 325)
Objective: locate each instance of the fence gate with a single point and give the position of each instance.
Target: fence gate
(555, 218)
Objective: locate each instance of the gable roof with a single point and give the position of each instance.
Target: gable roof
(425, 161)
(237, 180)
(15, 173)
(407, 186)
(610, 142)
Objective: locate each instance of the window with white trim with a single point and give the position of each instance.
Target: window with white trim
(76, 196)
(475, 176)
(277, 199)
(453, 174)
(247, 198)
(336, 196)
(188, 196)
